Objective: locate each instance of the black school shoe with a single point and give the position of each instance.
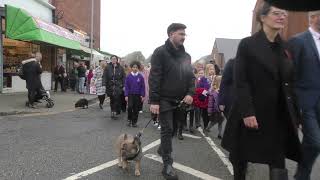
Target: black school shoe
(180, 137)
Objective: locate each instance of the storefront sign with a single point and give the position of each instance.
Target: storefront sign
(55, 29)
(82, 38)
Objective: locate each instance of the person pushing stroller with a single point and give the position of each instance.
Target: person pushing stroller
(31, 71)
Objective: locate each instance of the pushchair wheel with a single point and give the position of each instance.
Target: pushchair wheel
(50, 103)
(27, 104)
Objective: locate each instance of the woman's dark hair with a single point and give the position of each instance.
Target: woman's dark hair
(114, 56)
(135, 63)
(263, 11)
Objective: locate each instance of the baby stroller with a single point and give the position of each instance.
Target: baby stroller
(41, 94)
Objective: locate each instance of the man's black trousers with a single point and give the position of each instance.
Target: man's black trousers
(61, 81)
(169, 115)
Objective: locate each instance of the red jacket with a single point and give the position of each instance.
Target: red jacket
(200, 100)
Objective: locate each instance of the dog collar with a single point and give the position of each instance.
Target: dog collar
(133, 157)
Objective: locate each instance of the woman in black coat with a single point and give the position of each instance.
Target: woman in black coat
(262, 124)
(113, 79)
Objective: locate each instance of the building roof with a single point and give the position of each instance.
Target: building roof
(105, 53)
(228, 47)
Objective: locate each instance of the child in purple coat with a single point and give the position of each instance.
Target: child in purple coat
(134, 93)
(201, 83)
(214, 113)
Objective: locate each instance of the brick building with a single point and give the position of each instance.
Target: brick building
(223, 50)
(76, 15)
(297, 22)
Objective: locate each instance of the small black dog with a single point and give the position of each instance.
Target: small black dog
(83, 102)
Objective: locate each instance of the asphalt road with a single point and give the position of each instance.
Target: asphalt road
(67, 145)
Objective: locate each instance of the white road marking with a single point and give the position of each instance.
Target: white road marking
(221, 155)
(93, 170)
(108, 164)
(151, 145)
(183, 168)
(191, 136)
(178, 166)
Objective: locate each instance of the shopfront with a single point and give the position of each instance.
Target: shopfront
(25, 34)
(13, 53)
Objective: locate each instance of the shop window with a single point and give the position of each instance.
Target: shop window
(14, 52)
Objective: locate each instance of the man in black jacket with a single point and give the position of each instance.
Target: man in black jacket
(82, 77)
(59, 77)
(171, 81)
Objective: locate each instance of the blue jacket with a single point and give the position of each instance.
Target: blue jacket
(134, 85)
(306, 59)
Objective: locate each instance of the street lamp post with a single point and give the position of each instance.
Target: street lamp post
(91, 34)
(2, 14)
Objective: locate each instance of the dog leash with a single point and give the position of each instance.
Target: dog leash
(139, 134)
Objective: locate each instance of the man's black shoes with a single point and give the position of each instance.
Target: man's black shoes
(169, 173)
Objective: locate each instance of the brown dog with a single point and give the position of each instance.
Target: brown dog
(128, 148)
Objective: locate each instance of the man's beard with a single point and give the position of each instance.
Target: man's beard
(179, 43)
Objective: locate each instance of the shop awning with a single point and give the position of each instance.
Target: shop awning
(20, 25)
(88, 50)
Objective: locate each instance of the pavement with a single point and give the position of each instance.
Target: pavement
(14, 103)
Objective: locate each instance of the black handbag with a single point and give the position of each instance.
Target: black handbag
(20, 71)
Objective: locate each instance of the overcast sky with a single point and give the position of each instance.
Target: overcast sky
(140, 25)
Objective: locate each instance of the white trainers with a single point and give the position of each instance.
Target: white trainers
(140, 112)
(159, 127)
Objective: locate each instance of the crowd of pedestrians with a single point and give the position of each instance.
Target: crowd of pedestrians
(265, 93)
